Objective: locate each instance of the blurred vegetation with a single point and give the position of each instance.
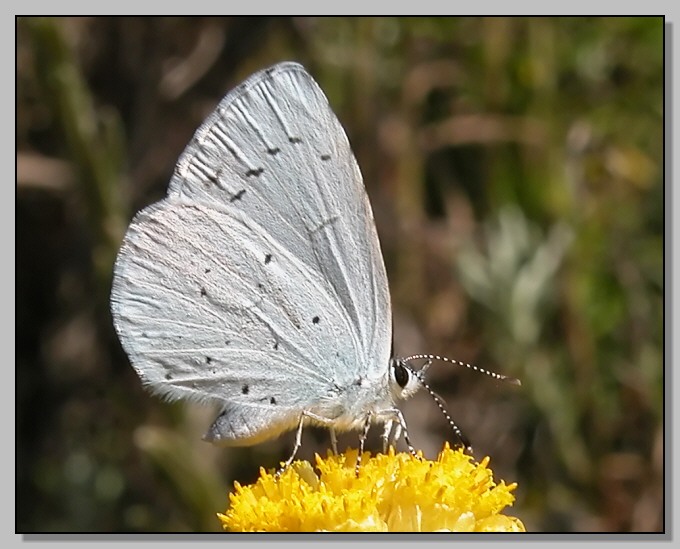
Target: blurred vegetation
(515, 167)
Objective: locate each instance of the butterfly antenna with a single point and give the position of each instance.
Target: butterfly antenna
(440, 404)
(500, 377)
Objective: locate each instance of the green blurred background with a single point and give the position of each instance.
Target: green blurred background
(515, 171)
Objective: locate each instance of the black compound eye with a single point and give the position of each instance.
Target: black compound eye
(401, 374)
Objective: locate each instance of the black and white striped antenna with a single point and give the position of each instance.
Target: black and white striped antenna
(430, 358)
(438, 400)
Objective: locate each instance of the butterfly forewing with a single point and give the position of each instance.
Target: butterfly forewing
(274, 149)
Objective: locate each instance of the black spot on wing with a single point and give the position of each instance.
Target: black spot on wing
(295, 140)
(237, 196)
(256, 172)
(325, 157)
(267, 259)
(245, 389)
(315, 320)
(204, 292)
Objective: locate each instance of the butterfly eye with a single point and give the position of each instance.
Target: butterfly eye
(401, 374)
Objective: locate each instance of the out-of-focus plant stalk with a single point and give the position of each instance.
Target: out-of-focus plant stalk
(92, 136)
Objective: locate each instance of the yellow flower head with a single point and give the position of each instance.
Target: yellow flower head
(393, 493)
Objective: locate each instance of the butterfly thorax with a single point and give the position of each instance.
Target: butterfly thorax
(349, 405)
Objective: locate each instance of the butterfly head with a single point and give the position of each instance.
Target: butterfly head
(404, 380)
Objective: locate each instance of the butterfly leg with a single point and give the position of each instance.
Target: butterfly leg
(397, 433)
(334, 441)
(298, 436)
(296, 446)
(362, 440)
(386, 434)
(395, 415)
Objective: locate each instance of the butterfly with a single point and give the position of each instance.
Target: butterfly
(258, 284)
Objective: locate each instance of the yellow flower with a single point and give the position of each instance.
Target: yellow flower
(393, 493)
